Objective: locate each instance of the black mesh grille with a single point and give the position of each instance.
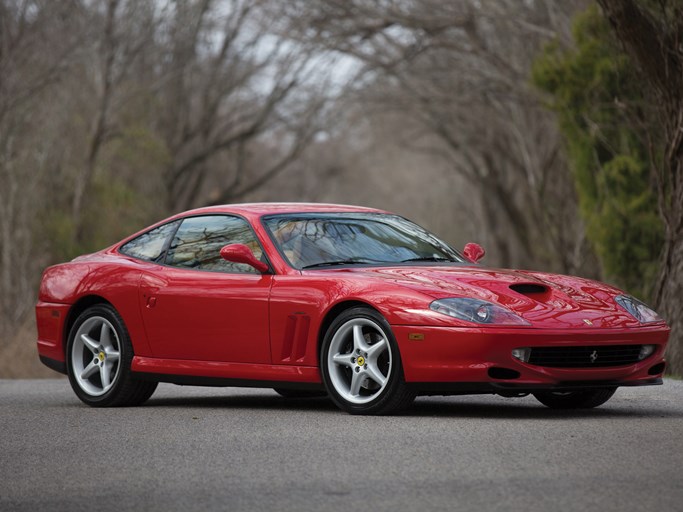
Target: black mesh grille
(585, 357)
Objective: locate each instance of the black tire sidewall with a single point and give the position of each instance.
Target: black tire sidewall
(377, 405)
(125, 350)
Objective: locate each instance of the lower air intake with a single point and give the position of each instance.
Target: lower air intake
(585, 357)
(503, 373)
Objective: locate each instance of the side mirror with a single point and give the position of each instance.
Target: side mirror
(473, 252)
(240, 253)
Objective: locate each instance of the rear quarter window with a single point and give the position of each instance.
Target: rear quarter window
(150, 246)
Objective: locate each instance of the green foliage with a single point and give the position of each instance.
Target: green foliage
(55, 231)
(116, 204)
(126, 195)
(112, 214)
(604, 120)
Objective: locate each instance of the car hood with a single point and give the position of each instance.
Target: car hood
(549, 300)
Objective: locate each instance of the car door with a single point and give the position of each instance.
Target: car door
(197, 306)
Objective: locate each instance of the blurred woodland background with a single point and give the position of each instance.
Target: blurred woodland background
(549, 131)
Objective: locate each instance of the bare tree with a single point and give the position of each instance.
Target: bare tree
(106, 104)
(35, 51)
(460, 69)
(230, 84)
(119, 35)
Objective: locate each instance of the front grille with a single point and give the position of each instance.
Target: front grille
(585, 357)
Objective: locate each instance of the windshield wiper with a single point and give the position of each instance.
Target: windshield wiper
(332, 263)
(427, 258)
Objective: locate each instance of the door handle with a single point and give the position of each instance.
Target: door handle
(151, 302)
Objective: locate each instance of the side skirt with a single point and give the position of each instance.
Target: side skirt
(212, 373)
(191, 380)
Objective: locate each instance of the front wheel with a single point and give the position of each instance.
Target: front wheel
(580, 399)
(361, 365)
(99, 354)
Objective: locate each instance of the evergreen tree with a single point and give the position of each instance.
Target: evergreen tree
(609, 130)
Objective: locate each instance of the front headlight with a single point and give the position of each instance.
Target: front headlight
(637, 309)
(477, 311)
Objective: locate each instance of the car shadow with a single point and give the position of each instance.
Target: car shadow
(511, 409)
(246, 402)
(443, 407)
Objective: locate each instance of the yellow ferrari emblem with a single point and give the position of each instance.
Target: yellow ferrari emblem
(360, 361)
(100, 356)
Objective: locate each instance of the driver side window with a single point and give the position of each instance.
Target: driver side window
(198, 241)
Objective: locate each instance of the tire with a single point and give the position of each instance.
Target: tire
(583, 399)
(299, 393)
(98, 357)
(361, 364)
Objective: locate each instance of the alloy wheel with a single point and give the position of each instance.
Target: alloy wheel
(359, 360)
(95, 356)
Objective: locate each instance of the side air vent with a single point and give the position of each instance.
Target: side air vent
(295, 338)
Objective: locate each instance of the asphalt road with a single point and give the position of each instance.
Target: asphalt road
(239, 449)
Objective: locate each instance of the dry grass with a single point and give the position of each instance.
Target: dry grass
(19, 356)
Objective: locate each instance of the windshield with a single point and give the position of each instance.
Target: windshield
(318, 240)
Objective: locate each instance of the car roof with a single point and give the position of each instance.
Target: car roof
(259, 209)
(252, 211)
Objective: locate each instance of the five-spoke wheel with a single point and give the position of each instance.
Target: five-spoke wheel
(359, 360)
(99, 354)
(95, 356)
(361, 364)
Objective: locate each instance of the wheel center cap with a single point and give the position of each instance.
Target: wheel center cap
(100, 356)
(360, 361)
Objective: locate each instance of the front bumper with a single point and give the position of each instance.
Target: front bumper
(455, 359)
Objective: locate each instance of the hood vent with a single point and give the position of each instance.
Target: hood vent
(534, 291)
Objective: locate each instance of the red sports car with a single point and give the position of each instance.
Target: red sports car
(314, 299)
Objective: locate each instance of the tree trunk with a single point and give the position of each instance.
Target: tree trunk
(654, 45)
(7, 212)
(85, 176)
(669, 292)
(670, 303)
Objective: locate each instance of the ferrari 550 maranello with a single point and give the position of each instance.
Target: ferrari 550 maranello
(354, 303)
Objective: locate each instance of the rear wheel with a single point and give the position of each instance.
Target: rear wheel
(580, 399)
(361, 365)
(99, 354)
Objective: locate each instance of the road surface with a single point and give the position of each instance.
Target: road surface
(250, 450)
